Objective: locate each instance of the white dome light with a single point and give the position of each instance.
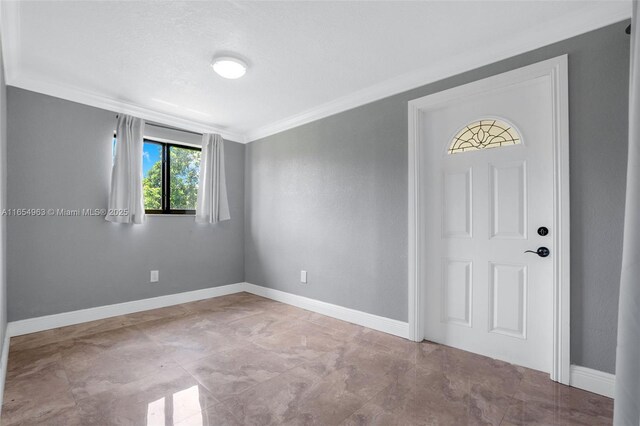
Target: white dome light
(229, 67)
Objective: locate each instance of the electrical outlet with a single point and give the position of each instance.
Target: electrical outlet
(303, 277)
(155, 276)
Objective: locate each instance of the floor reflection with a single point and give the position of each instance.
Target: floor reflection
(270, 363)
(172, 409)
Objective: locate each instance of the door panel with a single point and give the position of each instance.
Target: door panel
(508, 309)
(457, 204)
(457, 292)
(508, 213)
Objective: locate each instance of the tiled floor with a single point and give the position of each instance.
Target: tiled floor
(245, 360)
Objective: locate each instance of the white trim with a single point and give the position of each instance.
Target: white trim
(537, 36)
(415, 225)
(172, 141)
(192, 215)
(34, 325)
(593, 380)
(556, 69)
(4, 358)
(561, 221)
(74, 94)
(375, 322)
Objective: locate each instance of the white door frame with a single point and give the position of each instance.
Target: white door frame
(556, 69)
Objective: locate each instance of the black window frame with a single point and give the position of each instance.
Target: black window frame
(166, 171)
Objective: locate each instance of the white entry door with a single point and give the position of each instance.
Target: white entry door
(488, 178)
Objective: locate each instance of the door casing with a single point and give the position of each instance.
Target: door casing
(557, 70)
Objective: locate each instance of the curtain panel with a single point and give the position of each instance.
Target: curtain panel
(126, 200)
(212, 205)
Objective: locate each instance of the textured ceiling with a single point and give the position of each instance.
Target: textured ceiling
(301, 54)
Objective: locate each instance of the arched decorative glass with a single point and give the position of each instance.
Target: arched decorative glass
(484, 134)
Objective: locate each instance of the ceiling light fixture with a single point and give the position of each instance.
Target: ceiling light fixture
(229, 67)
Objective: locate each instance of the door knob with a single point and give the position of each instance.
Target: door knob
(542, 251)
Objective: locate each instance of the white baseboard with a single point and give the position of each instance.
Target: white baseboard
(375, 322)
(593, 380)
(4, 358)
(48, 322)
(581, 377)
(33, 325)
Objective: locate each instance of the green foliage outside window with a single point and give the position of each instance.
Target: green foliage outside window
(184, 176)
(185, 172)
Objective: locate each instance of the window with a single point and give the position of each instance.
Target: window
(484, 134)
(170, 177)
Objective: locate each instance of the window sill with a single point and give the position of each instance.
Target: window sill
(169, 215)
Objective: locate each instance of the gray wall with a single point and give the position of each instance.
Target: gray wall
(3, 199)
(60, 157)
(331, 197)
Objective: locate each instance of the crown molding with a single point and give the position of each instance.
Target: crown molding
(600, 15)
(123, 107)
(548, 33)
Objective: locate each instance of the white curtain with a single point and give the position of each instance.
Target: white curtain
(212, 205)
(627, 394)
(126, 203)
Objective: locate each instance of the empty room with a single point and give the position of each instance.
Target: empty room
(319, 213)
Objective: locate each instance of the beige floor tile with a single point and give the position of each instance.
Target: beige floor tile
(167, 397)
(260, 325)
(275, 401)
(231, 372)
(246, 360)
(42, 394)
(191, 338)
(175, 311)
(218, 415)
(303, 342)
(23, 362)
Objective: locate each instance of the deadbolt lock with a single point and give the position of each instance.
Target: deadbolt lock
(543, 231)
